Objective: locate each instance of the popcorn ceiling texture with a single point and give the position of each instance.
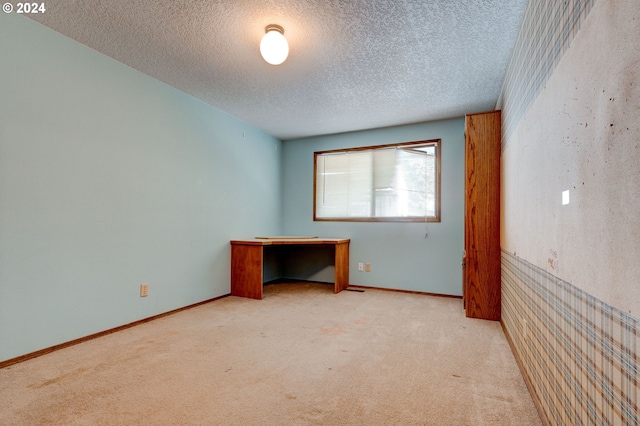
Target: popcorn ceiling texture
(352, 64)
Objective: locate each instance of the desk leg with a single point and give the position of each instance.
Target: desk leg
(341, 279)
(246, 271)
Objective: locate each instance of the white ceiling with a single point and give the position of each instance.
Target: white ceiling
(353, 64)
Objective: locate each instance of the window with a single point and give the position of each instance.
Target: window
(387, 183)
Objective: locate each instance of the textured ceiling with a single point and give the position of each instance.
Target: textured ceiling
(353, 64)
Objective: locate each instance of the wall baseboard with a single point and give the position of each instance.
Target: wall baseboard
(48, 350)
(424, 293)
(362, 287)
(31, 355)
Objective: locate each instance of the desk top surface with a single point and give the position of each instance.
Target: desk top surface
(266, 241)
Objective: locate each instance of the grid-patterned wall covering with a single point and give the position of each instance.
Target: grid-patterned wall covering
(547, 28)
(579, 354)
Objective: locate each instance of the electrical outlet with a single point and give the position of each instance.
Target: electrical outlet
(367, 267)
(360, 267)
(144, 290)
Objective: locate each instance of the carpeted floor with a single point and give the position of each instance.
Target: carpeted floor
(303, 355)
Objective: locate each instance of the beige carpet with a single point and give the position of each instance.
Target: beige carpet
(303, 355)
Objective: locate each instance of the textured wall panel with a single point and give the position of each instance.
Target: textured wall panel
(579, 354)
(570, 292)
(581, 134)
(546, 32)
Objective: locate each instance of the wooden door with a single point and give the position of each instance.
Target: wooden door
(481, 262)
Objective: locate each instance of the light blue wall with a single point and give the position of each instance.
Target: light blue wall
(110, 179)
(400, 256)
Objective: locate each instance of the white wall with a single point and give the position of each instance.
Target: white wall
(582, 134)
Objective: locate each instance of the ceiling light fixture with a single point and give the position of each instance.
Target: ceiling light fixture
(274, 47)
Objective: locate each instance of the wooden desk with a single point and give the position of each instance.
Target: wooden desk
(247, 262)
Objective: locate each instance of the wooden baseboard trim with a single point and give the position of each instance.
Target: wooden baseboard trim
(424, 293)
(527, 381)
(293, 280)
(45, 351)
(363, 287)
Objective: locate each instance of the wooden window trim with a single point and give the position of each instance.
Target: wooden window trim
(408, 219)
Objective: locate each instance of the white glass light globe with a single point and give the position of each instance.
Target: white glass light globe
(274, 47)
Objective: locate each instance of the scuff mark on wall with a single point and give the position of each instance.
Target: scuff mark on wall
(553, 260)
